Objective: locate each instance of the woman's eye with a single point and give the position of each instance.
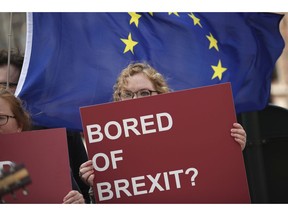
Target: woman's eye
(144, 93)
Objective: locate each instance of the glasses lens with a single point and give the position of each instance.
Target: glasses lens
(143, 93)
(126, 94)
(3, 119)
(11, 85)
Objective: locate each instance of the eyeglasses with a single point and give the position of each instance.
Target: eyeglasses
(125, 95)
(11, 84)
(4, 119)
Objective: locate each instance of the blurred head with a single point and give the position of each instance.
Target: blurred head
(16, 62)
(13, 117)
(139, 80)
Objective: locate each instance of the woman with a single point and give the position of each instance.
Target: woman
(14, 119)
(141, 80)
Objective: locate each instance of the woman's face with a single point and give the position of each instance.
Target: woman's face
(137, 86)
(11, 126)
(139, 82)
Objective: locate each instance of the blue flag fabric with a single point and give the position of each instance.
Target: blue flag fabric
(73, 59)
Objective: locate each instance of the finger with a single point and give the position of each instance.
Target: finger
(239, 131)
(85, 164)
(241, 142)
(240, 139)
(90, 180)
(78, 199)
(68, 201)
(74, 197)
(237, 125)
(238, 135)
(86, 175)
(71, 200)
(85, 168)
(241, 134)
(81, 200)
(70, 196)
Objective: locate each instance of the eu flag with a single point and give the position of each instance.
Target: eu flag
(73, 59)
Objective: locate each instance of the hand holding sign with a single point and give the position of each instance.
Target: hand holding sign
(148, 153)
(163, 166)
(86, 172)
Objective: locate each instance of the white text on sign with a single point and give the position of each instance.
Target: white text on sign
(128, 126)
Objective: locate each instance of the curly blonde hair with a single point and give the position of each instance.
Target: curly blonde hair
(153, 75)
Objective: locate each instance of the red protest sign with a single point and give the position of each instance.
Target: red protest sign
(169, 148)
(44, 153)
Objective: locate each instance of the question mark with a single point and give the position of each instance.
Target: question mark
(193, 176)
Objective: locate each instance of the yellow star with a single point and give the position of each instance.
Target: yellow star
(175, 13)
(195, 20)
(134, 18)
(213, 42)
(151, 13)
(129, 43)
(218, 70)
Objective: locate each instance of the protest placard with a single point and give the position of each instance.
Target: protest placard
(168, 148)
(44, 153)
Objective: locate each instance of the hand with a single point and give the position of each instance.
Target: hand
(239, 135)
(73, 197)
(86, 172)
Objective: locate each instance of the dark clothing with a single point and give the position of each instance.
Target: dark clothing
(74, 183)
(77, 156)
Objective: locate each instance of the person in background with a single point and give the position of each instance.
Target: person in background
(16, 62)
(14, 119)
(77, 151)
(139, 80)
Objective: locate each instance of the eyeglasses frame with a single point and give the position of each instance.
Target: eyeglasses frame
(7, 117)
(135, 93)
